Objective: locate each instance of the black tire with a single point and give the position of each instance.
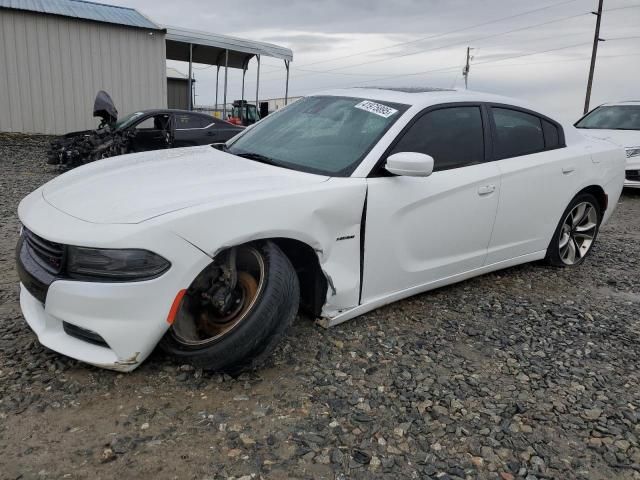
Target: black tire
(256, 335)
(554, 255)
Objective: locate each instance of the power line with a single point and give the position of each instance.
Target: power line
(438, 35)
(444, 69)
(493, 35)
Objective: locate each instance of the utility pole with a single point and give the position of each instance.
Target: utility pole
(467, 67)
(596, 40)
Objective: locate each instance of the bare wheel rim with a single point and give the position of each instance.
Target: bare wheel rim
(201, 327)
(577, 233)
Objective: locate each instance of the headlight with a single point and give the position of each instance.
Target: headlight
(633, 152)
(114, 264)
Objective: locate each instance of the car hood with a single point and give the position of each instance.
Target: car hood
(623, 138)
(136, 187)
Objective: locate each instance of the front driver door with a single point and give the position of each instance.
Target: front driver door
(419, 230)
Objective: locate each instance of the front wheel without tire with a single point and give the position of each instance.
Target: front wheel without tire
(237, 309)
(575, 235)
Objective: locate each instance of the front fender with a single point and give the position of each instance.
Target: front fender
(325, 216)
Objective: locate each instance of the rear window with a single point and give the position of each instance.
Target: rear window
(517, 133)
(551, 135)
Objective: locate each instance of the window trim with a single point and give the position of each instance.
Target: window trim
(378, 169)
(494, 135)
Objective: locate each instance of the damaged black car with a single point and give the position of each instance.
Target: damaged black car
(140, 131)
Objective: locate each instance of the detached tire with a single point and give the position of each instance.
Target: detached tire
(267, 296)
(576, 233)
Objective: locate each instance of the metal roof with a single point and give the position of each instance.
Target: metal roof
(97, 12)
(176, 74)
(209, 48)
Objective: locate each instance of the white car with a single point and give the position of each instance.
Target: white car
(340, 203)
(619, 123)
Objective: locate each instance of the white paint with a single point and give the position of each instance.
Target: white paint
(188, 204)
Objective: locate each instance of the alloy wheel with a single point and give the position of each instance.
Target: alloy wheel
(578, 233)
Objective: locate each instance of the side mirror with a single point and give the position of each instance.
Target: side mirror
(410, 164)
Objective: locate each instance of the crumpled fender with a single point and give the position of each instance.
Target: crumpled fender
(326, 216)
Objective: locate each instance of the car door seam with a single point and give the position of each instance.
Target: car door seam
(363, 223)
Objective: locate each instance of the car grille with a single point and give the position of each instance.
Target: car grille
(633, 175)
(48, 254)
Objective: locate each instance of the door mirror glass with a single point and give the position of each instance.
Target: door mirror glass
(410, 164)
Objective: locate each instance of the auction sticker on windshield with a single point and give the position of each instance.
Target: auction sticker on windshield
(377, 108)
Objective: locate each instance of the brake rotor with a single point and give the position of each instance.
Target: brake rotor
(212, 323)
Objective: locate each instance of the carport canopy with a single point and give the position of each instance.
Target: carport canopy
(222, 51)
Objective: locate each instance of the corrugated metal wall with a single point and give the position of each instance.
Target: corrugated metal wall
(51, 68)
(178, 93)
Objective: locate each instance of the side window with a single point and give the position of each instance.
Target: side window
(517, 133)
(146, 124)
(186, 120)
(453, 136)
(551, 135)
(157, 122)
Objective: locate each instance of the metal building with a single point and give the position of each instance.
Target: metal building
(56, 54)
(177, 89)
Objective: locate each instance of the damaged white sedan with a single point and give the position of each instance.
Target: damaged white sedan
(338, 204)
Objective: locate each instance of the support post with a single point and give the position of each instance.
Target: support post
(226, 77)
(596, 40)
(286, 88)
(217, 81)
(257, 85)
(244, 72)
(190, 83)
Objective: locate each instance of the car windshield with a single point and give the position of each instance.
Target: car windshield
(323, 134)
(619, 117)
(127, 120)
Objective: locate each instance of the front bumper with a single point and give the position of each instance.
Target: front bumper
(109, 325)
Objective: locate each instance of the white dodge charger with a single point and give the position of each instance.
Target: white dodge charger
(340, 203)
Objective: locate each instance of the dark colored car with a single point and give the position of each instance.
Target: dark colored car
(137, 132)
(155, 129)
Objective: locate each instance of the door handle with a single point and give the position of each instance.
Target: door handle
(568, 170)
(486, 189)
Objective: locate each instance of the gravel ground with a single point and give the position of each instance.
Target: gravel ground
(526, 373)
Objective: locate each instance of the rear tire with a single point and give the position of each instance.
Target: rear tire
(245, 337)
(576, 233)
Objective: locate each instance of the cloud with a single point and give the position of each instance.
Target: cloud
(367, 33)
(306, 42)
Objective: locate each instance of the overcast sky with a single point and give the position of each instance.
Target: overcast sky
(423, 42)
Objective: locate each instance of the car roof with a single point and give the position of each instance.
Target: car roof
(622, 103)
(173, 110)
(425, 96)
(154, 111)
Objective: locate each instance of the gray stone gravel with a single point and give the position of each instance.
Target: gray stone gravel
(529, 373)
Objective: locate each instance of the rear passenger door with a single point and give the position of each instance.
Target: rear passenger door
(539, 177)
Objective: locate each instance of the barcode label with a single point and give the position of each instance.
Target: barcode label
(376, 108)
